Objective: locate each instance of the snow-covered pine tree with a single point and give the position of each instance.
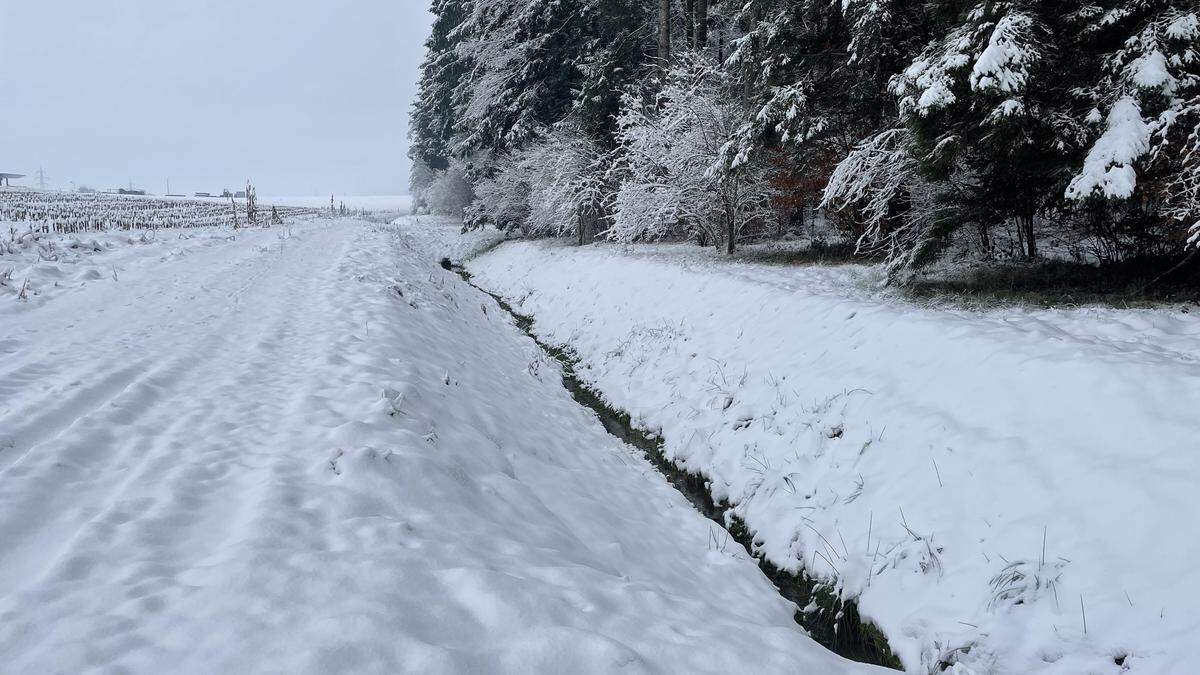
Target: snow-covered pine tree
(611, 59)
(1139, 173)
(526, 61)
(434, 116)
(904, 119)
(503, 76)
(420, 177)
(816, 74)
(992, 103)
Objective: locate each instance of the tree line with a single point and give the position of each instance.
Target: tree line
(1004, 128)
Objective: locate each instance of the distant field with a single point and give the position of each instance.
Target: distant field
(74, 212)
(368, 202)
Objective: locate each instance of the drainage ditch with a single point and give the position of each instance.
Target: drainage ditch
(831, 621)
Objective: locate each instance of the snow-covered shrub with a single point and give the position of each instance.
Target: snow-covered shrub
(568, 187)
(502, 195)
(1182, 195)
(555, 186)
(876, 180)
(419, 179)
(679, 167)
(450, 191)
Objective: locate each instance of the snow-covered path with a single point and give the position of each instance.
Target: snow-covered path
(325, 453)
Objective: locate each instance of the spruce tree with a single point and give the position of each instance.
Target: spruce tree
(434, 116)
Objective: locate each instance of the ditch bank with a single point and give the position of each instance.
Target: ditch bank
(831, 621)
(910, 457)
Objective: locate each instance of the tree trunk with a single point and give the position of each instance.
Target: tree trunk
(1026, 225)
(689, 22)
(748, 69)
(791, 216)
(585, 226)
(664, 34)
(701, 20)
(730, 235)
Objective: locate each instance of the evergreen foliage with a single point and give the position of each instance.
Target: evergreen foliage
(1000, 126)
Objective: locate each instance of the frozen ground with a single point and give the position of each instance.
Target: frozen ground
(1009, 491)
(320, 453)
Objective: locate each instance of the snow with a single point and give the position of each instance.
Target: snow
(927, 83)
(1149, 71)
(936, 95)
(1108, 168)
(1185, 26)
(314, 450)
(979, 480)
(1005, 63)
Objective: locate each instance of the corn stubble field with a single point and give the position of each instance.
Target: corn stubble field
(68, 212)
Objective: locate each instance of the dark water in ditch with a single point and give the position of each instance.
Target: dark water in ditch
(832, 622)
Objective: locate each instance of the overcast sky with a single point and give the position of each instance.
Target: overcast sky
(302, 96)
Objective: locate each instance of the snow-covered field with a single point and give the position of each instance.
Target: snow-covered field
(1010, 491)
(313, 450)
(37, 268)
(30, 211)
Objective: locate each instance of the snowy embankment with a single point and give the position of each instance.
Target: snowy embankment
(320, 453)
(1009, 491)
